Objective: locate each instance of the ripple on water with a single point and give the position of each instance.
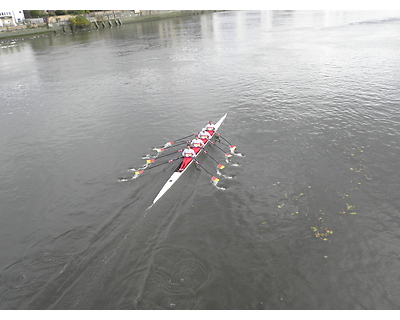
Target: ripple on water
(173, 279)
(44, 261)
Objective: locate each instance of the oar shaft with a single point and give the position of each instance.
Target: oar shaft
(168, 144)
(231, 146)
(204, 168)
(168, 154)
(213, 178)
(190, 135)
(220, 166)
(180, 143)
(224, 138)
(160, 164)
(173, 144)
(180, 139)
(213, 143)
(210, 156)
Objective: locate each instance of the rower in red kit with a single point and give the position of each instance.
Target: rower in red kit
(209, 127)
(196, 144)
(204, 136)
(188, 155)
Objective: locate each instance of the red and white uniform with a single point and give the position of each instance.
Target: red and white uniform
(196, 144)
(189, 153)
(209, 127)
(204, 135)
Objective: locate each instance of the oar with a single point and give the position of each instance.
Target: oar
(220, 166)
(226, 154)
(231, 146)
(168, 144)
(175, 145)
(165, 155)
(160, 164)
(213, 178)
(148, 161)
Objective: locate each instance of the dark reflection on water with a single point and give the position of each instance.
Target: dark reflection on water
(306, 219)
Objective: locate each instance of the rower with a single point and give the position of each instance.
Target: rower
(209, 127)
(188, 154)
(204, 136)
(196, 144)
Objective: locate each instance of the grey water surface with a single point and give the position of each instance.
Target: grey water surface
(306, 216)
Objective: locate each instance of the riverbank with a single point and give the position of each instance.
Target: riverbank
(123, 18)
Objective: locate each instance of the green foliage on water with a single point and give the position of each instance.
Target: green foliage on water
(79, 22)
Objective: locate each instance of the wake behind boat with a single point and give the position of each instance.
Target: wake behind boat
(177, 174)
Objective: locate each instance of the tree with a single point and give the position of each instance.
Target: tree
(79, 22)
(74, 12)
(35, 13)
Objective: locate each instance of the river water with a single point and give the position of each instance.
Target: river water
(306, 213)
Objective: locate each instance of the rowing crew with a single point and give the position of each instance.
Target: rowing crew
(196, 144)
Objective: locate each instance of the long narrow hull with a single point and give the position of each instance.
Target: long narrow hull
(176, 175)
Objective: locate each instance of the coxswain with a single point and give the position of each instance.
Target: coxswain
(188, 154)
(196, 144)
(209, 127)
(204, 136)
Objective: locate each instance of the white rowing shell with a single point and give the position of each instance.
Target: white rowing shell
(176, 175)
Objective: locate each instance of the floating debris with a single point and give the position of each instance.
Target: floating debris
(320, 234)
